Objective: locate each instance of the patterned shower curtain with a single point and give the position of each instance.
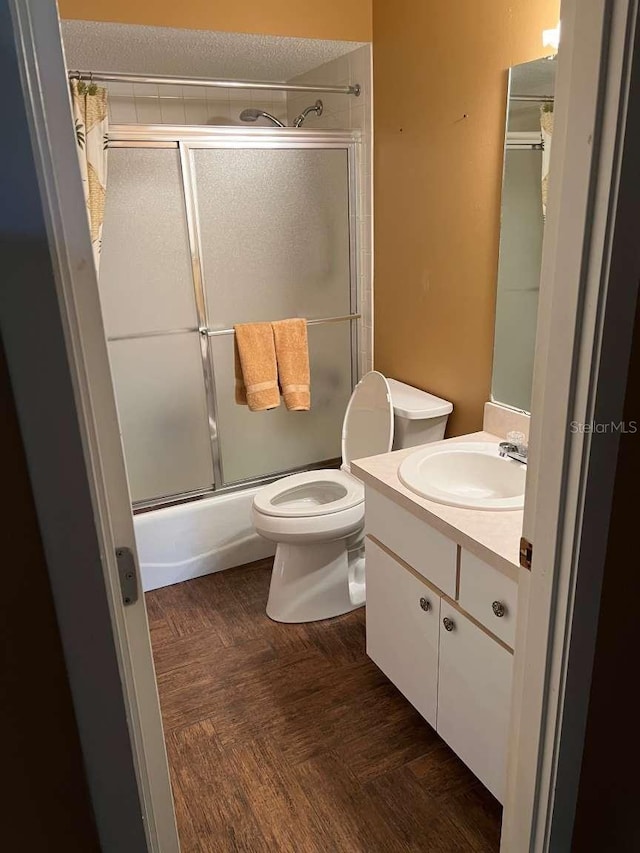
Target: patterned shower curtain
(546, 125)
(91, 123)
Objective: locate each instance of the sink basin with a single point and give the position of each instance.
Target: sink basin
(466, 474)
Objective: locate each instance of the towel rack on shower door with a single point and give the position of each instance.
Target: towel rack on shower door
(214, 332)
(211, 333)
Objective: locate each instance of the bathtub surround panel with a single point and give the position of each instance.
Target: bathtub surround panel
(340, 112)
(313, 19)
(286, 737)
(440, 78)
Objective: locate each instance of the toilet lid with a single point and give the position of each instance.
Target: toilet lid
(367, 429)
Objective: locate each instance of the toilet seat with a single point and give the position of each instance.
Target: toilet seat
(317, 518)
(310, 494)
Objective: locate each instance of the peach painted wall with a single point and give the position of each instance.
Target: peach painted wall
(437, 186)
(322, 19)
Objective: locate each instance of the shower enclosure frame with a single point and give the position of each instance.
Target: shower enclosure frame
(186, 139)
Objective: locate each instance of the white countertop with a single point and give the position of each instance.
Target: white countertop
(493, 536)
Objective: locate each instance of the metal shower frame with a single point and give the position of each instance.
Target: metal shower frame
(187, 139)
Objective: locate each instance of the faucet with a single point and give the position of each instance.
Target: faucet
(514, 447)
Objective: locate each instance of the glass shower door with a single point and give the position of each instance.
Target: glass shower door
(147, 295)
(275, 242)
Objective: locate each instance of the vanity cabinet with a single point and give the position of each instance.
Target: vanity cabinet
(403, 628)
(432, 643)
(474, 697)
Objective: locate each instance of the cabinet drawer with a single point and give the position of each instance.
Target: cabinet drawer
(427, 551)
(489, 596)
(474, 697)
(403, 617)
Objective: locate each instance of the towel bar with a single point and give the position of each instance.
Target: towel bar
(211, 333)
(214, 332)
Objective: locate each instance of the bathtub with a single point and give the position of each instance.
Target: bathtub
(197, 538)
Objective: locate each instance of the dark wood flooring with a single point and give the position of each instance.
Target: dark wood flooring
(288, 738)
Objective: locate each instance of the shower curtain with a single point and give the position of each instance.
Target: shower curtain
(91, 124)
(546, 125)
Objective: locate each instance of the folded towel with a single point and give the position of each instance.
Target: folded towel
(257, 355)
(292, 354)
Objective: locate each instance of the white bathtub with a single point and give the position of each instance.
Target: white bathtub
(198, 538)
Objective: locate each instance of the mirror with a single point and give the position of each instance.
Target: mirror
(526, 167)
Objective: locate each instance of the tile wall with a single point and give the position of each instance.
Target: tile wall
(146, 103)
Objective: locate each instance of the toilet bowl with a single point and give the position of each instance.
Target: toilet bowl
(317, 517)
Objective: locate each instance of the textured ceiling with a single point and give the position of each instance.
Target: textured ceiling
(98, 46)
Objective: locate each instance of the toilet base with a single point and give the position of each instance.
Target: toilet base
(319, 581)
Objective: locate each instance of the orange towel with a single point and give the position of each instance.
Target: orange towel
(292, 354)
(257, 355)
(241, 389)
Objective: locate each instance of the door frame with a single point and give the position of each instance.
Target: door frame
(56, 353)
(570, 479)
(588, 297)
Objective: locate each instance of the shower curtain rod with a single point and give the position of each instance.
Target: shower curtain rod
(543, 99)
(115, 77)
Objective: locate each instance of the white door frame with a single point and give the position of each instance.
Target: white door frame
(570, 480)
(57, 357)
(588, 295)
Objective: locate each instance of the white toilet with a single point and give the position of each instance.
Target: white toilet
(317, 517)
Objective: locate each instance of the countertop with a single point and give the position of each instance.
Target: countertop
(493, 536)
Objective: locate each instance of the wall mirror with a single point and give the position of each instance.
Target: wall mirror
(528, 141)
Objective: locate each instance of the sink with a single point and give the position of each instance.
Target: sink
(468, 474)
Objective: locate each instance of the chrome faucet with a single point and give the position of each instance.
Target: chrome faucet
(514, 447)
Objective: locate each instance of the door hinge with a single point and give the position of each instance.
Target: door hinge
(526, 553)
(128, 575)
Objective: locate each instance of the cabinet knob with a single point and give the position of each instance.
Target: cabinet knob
(498, 608)
(425, 604)
(449, 624)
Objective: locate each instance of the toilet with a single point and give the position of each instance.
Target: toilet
(316, 518)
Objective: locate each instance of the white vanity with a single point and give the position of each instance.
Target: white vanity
(442, 585)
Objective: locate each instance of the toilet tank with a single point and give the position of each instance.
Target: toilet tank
(418, 417)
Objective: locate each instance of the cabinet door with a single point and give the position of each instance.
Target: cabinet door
(489, 596)
(402, 629)
(474, 697)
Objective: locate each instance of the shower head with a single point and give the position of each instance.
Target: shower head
(316, 108)
(254, 115)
